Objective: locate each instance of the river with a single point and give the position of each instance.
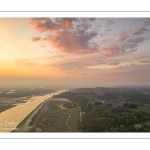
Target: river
(10, 118)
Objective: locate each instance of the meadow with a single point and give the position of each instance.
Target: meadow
(56, 115)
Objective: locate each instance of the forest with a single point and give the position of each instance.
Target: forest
(111, 110)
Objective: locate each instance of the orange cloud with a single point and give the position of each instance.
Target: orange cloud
(73, 43)
(67, 34)
(65, 23)
(43, 24)
(111, 50)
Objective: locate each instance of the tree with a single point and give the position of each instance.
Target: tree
(112, 129)
(135, 119)
(138, 113)
(122, 128)
(127, 121)
(137, 127)
(145, 117)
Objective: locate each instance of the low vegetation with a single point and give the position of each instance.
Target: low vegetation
(57, 115)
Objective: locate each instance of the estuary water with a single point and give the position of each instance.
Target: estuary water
(12, 117)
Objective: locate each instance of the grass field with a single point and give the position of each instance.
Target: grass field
(55, 117)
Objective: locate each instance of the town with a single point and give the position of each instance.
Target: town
(118, 109)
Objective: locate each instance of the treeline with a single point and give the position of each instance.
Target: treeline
(139, 97)
(110, 94)
(102, 119)
(127, 95)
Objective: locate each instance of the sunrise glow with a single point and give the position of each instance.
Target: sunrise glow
(75, 51)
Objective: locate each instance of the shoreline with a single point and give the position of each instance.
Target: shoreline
(24, 125)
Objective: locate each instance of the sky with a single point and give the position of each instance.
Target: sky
(75, 51)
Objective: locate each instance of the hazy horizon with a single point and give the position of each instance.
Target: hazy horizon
(75, 52)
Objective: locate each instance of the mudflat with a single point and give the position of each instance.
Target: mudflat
(11, 118)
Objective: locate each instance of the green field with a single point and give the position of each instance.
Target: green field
(57, 115)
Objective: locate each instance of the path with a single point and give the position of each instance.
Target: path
(67, 123)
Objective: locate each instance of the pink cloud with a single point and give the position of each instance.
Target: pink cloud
(68, 35)
(47, 24)
(65, 23)
(74, 43)
(111, 50)
(42, 24)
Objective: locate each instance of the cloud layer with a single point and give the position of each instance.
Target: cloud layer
(89, 35)
(70, 35)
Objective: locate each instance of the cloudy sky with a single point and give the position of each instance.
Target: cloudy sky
(75, 51)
